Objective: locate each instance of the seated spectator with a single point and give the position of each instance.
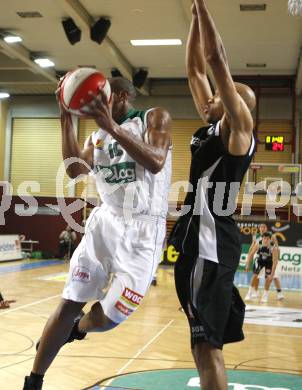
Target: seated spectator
(67, 240)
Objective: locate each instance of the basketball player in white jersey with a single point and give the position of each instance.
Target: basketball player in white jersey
(207, 236)
(115, 262)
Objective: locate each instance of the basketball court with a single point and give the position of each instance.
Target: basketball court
(160, 357)
(151, 350)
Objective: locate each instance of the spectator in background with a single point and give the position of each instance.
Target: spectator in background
(67, 240)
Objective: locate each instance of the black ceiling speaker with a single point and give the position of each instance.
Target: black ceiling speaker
(100, 29)
(139, 78)
(72, 31)
(116, 73)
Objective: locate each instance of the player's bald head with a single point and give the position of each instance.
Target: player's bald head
(247, 95)
(119, 84)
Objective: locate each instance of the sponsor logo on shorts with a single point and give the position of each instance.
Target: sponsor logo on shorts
(197, 331)
(131, 297)
(81, 274)
(123, 309)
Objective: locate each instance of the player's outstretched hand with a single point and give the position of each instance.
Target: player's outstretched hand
(100, 111)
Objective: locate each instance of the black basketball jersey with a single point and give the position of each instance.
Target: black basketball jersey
(264, 253)
(208, 230)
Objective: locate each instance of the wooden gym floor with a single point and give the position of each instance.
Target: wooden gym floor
(155, 337)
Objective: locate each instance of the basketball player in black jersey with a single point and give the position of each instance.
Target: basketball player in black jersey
(253, 292)
(266, 257)
(207, 236)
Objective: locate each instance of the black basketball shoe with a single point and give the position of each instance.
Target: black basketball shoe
(29, 385)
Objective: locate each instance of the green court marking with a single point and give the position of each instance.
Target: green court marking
(185, 379)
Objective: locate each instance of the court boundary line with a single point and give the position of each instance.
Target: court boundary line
(141, 350)
(29, 304)
(229, 366)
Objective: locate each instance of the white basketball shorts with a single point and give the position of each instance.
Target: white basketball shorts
(115, 261)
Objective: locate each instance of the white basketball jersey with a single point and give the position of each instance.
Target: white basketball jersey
(122, 182)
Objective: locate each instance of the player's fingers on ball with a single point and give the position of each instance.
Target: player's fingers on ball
(82, 102)
(95, 101)
(85, 109)
(92, 95)
(103, 97)
(57, 93)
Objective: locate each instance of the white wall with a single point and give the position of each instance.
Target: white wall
(33, 106)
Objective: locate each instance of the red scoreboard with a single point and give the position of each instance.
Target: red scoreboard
(274, 143)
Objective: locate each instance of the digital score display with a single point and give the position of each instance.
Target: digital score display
(274, 143)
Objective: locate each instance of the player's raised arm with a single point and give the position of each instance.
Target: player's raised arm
(70, 145)
(152, 154)
(196, 67)
(71, 148)
(238, 100)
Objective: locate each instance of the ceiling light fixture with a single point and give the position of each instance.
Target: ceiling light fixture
(44, 62)
(256, 65)
(4, 95)
(12, 39)
(156, 42)
(29, 14)
(253, 7)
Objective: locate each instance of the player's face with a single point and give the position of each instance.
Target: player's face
(214, 109)
(262, 228)
(115, 105)
(118, 102)
(266, 241)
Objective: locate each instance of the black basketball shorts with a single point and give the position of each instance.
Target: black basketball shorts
(213, 305)
(259, 263)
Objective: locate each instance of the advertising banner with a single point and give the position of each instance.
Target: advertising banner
(289, 237)
(288, 234)
(10, 248)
